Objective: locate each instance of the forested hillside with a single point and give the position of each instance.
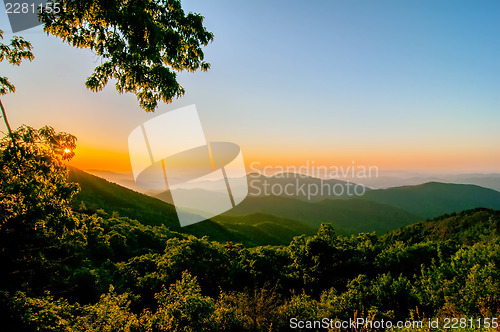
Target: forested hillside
(105, 198)
(68, 270)
(275, 219)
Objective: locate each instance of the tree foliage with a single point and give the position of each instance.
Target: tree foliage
(142, 44)
(17, 51)
(34, 203)
(84, 270)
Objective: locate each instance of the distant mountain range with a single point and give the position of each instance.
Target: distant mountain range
(338, 202)
(303, 187)
(275, 219)
(383, 180)
(388, 179)
(98, 194)
(433, 199)
(377, 210)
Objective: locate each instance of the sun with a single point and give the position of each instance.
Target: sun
(67, 150)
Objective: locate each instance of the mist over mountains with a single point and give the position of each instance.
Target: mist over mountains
(384, 180)
(267, 217)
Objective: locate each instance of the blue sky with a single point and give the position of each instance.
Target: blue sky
(400, 84)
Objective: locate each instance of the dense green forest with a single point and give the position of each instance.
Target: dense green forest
(75, 267)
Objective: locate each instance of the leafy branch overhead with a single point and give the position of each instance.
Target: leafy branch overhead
(142, 44)
(18, 50)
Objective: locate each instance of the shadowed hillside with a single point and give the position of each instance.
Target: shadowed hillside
(276, 219)
(99, 194)
(348, 216)
(467, 227)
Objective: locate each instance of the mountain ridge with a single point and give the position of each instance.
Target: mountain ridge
(275, 220)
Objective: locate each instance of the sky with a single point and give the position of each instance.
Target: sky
(402, 85)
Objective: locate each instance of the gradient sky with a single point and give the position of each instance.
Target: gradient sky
(411, 85)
